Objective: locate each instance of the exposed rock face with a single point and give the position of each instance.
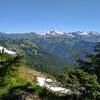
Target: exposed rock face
(27, 96)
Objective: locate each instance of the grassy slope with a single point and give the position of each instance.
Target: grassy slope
(26, 83)
(24, 75)
(29, 74)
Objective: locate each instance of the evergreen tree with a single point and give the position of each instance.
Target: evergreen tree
(92, 64)
(8, 68)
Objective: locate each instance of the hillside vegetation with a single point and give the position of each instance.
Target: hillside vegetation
(34, 56)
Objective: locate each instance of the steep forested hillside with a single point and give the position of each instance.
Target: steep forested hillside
(34, 56)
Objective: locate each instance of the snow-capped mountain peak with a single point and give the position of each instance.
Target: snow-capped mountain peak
(53, 32)
(82, 35)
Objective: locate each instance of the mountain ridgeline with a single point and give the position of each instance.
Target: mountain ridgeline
(51, 49)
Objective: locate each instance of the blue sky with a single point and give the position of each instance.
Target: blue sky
(40, 15)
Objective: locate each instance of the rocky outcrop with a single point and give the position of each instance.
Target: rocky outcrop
(27, 96)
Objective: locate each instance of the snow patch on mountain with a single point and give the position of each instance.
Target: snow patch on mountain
(83, 33)
(2, 49)
(51, 85)
(69, 34)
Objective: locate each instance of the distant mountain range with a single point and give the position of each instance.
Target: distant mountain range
(55, 43)
(85, 36)
(63, 44)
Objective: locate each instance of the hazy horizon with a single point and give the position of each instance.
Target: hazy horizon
(46, 31)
